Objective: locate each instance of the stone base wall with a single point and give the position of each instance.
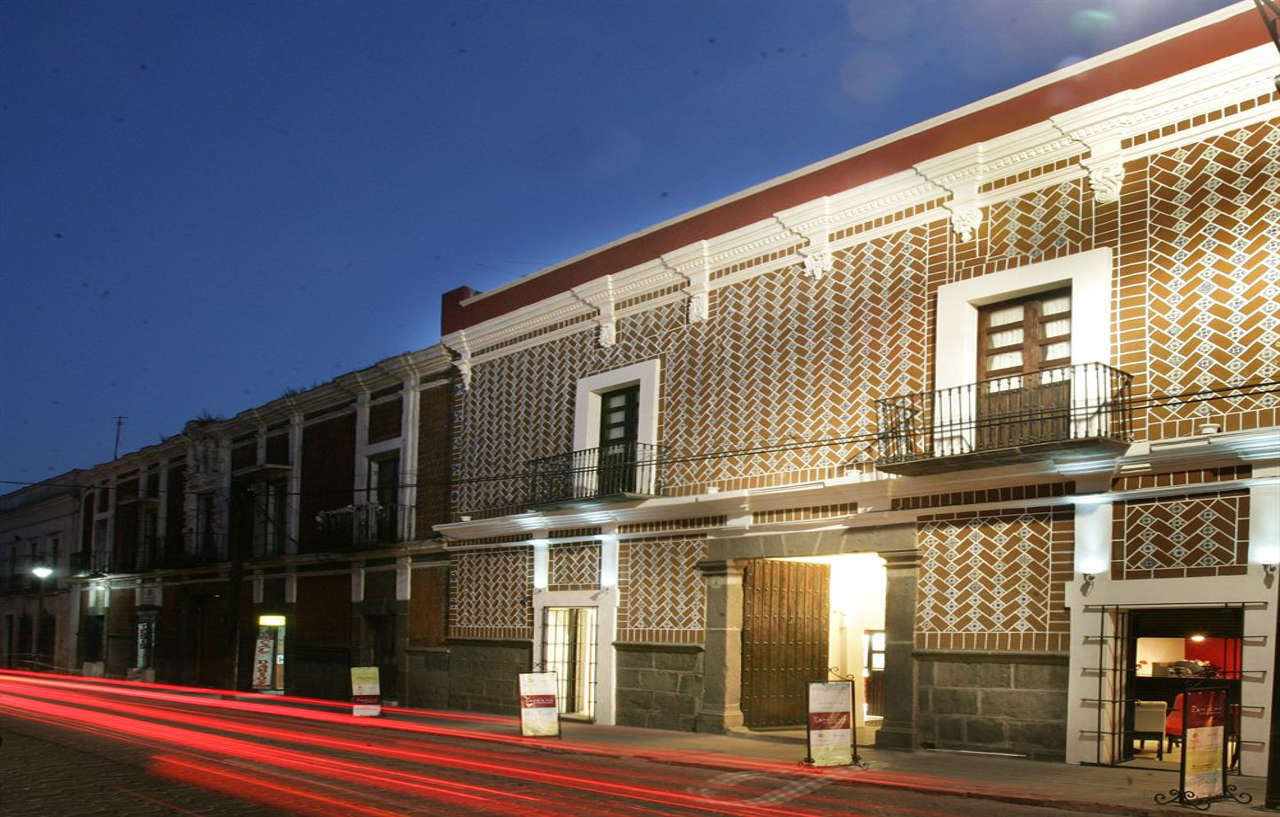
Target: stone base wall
(659, 686)
(427, 677)
(482, 674)
(993, 702)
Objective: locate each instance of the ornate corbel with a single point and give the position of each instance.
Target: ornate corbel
(1100, 127)
(816, 259)
(697, 273)
(959, 173)
(457, 343)
(599, 296)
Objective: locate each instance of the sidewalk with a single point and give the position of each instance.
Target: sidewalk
(1087, 789)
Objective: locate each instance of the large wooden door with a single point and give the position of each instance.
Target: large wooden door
(785, 629)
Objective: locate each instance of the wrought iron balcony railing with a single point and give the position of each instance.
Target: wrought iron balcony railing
(1079, 411)
(356, 526)
(628, 470)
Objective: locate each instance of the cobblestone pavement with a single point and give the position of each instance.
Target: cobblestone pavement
(72, 749)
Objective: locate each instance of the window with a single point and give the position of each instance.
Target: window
(616, 418)
(617, 457)
(383, 497)
(1024, 335)
(570, 652)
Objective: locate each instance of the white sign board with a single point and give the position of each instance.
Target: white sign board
(366, 695)
(1204, 732)
(831, 723)
(539, 712)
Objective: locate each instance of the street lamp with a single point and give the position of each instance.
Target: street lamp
(41, 572)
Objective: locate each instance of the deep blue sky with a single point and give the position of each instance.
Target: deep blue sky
(204, 204)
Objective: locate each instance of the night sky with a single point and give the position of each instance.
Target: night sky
(203, 205)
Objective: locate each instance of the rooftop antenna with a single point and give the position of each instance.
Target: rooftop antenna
(119, 424)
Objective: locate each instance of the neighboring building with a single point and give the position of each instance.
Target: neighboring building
(298, 531)
(979, 414)
(38, 525)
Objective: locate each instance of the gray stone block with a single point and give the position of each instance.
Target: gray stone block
(678, 661)
(1040, 676)
(631, 678)
(690, 685)
(925, 673)
(1024, 705)
(955, 701)
(972, 674)
(950, 730)
(631, 700)
(1038, 736)
(673, 703)
(988, 731)
(635, 659)
(660, 681)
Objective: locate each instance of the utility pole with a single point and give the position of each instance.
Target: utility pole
(119, 424)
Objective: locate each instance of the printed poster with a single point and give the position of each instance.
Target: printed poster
(263, 649)
(366, 695)
(539, 711)
(831, 723)
(1203, 740)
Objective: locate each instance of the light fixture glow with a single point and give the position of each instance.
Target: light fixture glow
(1197, 638)
(270, 621)
(42, 572)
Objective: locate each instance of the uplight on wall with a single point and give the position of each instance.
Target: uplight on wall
(270, 621)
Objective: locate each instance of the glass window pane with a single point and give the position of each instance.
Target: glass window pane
(1008, 314)
(1053, 306)
(1004, 360)
(1054, 351)
(1058, 326)
(1005, 337)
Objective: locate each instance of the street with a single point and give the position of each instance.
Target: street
(89, 747)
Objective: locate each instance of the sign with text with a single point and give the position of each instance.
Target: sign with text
(366, 695)
(263, 653)
(1204, 728)
(539, 712)
(831, 723)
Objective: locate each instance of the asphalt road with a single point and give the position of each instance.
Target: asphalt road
(75, 748)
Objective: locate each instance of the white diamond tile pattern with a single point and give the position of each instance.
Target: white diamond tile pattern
(987, 575)
(663, 598)
(1185, 534)
(1214, 281)
(490, 594)
(573, 567)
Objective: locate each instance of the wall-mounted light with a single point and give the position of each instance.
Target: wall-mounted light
(1197, 638)
(1087, 584)
(42, 572)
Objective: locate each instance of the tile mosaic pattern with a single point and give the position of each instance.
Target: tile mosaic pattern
(490, 594)
(771, 344)
(663, 600)
(994, 581)
(573, 567)
(1044, 222)
(1213, 283)
(1177, 537)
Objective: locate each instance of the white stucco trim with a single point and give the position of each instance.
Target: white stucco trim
(605, 600)
(1087, 273)
(586, 412)
(1258, 653)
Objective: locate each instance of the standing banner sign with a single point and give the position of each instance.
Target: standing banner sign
(539, 713)
(831, 723)
(1204, 744)
(366, 695)
(1202, 774)
(263, 652)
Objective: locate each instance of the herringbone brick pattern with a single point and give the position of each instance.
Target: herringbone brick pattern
(573, 567)
(490, 594)
(663, 598)
(993, 582)
(1181, 536)
(1213, 309)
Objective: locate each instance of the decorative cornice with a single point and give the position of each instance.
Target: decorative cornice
(598, 294)
(1095, 133)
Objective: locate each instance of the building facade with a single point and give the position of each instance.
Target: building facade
(972, 415)
(269, 551)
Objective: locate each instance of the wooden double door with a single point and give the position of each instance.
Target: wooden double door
(785, 632)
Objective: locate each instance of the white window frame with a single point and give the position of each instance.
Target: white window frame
(586, 415)
(956, 340)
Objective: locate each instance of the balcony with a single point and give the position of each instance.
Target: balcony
(1072, 412)
(360, 526)
(620, 471)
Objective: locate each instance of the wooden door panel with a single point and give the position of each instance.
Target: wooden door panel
(785, 632)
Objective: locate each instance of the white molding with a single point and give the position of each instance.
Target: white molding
(586, 412)
(1092, 132)
(605, 600)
